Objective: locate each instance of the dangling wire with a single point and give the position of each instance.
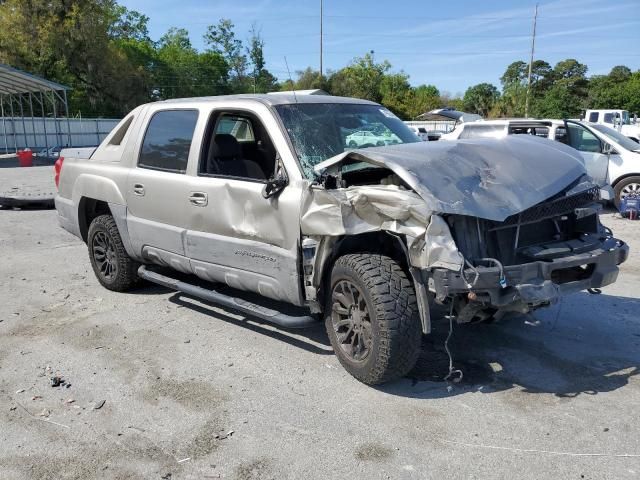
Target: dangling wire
(452, 371)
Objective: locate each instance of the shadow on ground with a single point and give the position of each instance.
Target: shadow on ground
(587, 344)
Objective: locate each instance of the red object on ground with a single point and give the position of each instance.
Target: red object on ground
(57, 168)
(25, 158)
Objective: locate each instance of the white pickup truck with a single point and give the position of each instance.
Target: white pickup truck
(618, 119)
(257, 203)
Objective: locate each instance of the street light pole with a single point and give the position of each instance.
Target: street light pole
(533, 45)
(321, 21)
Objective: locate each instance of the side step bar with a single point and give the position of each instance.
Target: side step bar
(279, 318)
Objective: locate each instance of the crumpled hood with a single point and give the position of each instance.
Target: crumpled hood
(485, 178)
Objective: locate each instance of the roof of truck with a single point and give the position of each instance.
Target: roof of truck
(284, 98)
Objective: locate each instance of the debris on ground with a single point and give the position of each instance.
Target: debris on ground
(98, 405)
(56, 381)
(221, 436)
(45, 413)
(20, 391)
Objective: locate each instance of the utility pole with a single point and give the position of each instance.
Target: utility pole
(533, 46)
(321, 19)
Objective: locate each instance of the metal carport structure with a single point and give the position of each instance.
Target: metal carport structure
(20, 92)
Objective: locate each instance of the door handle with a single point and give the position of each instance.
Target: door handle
(199, 199)
(138, 189)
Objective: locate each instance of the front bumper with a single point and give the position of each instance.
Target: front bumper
(534, 284)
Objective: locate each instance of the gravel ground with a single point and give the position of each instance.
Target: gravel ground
(187, 390)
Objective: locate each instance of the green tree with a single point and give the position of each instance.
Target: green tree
(480, 98)
(263, 80)
(395, 92)
(618, 89)
(422, 99)
(78, 44)
(568, 94)
(514, 90)
(307, 79)
(221, 39)
(361, 79)
(183, 72)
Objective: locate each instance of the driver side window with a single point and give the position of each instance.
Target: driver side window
(237, 146)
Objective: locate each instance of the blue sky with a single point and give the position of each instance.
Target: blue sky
(451, 45)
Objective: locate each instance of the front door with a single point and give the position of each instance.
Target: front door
(590, 146)
(235, 235)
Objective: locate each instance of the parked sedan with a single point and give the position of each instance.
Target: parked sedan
(365, 138)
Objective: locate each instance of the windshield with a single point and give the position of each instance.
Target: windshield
(620, 139)
(319, 131)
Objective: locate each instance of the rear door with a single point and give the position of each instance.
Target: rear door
(235, 234)
(158, 188)
(589, 145)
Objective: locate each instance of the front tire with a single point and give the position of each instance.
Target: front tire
(113, 267)
(372, 319)
(625, 187)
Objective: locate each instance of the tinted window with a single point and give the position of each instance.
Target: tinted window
(593, 117)
(608, 118)
(561, 135)
(168, 140)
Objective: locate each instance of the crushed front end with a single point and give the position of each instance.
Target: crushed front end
(530, 259)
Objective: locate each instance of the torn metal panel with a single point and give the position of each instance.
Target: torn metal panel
(485, 178)
(362, 209)
(437, 248)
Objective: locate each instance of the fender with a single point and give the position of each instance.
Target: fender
(98, 188)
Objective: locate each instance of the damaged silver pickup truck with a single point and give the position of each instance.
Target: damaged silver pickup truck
(264, 194)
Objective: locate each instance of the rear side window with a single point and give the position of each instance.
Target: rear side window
(122, 131)
(593, 117)
(608, 118)
(239, 127)
(167, 140)
(482, 131)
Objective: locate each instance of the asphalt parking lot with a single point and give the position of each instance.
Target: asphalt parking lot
(164, 386)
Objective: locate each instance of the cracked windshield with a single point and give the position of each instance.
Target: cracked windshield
(320, 131)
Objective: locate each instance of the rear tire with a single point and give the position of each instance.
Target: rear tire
(624, 187)
(371, 317)
(113, 267)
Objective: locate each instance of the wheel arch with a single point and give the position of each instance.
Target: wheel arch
(379, 242)
(88, 209)
(623, 177)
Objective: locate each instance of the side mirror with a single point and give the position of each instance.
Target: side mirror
(608, 149)
(275, 185)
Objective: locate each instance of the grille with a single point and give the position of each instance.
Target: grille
(552, 209)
